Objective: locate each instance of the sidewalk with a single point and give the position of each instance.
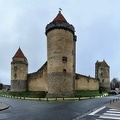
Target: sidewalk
(3, 106)
(115, 105)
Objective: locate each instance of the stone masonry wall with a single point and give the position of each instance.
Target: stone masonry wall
(86, 83)
(60, 49)
(38, 81)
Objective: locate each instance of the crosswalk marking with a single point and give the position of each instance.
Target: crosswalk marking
(99, 119)
(112, 112)
(114, 109)
(92, 113)
(109, 117)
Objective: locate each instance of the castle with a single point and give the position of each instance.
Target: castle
(57, 76)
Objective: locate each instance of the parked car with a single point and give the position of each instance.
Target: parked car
(113, 92)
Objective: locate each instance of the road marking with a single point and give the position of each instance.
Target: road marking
(110, 117)
(112, 112)
(114, 109)
(97, 110)
(99, 119)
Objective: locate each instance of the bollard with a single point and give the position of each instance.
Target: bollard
(79, 98)
(110, 101)
(39, 99)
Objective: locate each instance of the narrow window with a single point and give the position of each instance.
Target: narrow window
(15, 75)
(64, 71)
(15, 68)
(64, 59)
(102, 80)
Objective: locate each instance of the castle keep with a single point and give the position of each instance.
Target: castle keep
(57, 76)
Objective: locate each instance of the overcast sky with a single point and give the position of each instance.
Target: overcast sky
(97, 25)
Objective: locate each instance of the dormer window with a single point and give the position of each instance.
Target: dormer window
(64, 59)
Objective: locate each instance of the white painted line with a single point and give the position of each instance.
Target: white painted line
(99, 119)
(108, 114)
(112, 112)
(114, 109)
(92, 113)
(110, 117)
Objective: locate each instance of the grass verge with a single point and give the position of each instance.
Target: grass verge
(87, 93)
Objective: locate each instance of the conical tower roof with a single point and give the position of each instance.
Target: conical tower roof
(59, 17)
(19, 54)
(59, 22)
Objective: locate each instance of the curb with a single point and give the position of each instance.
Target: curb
(4, 106)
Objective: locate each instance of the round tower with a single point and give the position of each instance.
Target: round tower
(60, 57)
(19, 71)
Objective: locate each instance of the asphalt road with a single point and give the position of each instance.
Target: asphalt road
(32, 110)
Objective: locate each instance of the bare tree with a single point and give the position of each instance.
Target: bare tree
(115, 83)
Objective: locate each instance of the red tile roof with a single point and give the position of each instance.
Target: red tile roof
(59, 17)
(19, 54)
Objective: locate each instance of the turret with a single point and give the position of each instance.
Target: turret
(19, 71)
(102, 72)
(61, 48)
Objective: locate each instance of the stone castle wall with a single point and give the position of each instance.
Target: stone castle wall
(38, 81)
(83, 82)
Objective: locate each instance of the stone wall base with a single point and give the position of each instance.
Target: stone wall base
(59, 95)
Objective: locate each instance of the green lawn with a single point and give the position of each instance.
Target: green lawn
(87, 93)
